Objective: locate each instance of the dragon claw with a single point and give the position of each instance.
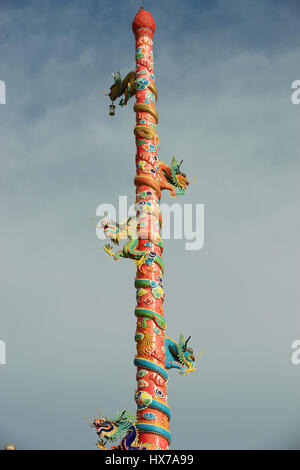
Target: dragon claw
(187, 371)
(108, 249)
(141, 261)
(101, 444)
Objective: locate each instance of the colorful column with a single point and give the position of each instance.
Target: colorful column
(156, 353)
(153, 413)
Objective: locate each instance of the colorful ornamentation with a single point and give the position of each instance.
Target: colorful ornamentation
(155, 352)
(128, 86)
(169, 177)
(149, 416)
(122, 427)
(179, 356)
(143, 399)
(112, 231)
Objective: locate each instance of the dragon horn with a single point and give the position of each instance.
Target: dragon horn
(187, 341)
(112, 74)
(121, 415)
(99, 414)
(106, 94)
(180, 164)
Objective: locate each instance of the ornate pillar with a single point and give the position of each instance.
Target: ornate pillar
(153, 413)
(155, 352)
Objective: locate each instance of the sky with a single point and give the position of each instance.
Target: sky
(224, 70)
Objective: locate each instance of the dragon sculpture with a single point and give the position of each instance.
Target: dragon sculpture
(123, 427)
(130, 229)
(155, 352)
(126, 87)
(168, 177)
(171, 178)
(179, 356)
(162, 176)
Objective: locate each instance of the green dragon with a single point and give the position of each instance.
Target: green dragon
(123, 427)
(130, 229)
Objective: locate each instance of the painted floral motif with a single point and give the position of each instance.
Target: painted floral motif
(148, 301)
(150, 96)
(141, 83)
(149, 416)
(145, 195)
(149, 147)
(140, 292)
(140, 52)
(142, 383)
(144, 206)
(142, 373)
(145, 167)
(143, 399)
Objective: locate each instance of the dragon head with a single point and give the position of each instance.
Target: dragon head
(186, 354)
(111, 229)
(112, 429)
(115, 232)
(177, 177)
(104, 427)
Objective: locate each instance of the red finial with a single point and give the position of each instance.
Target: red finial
(143, 23)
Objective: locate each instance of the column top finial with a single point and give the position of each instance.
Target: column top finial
(143, 21)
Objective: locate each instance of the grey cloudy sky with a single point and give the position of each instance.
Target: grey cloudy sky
(224, 71)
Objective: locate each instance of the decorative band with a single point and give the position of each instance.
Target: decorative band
(151, 366)
(146, 108)
(144, 283)
(140, 282)
(143, 31)
(148, 181)
(145, 131)
(145, 312)
(161, 407)
(154, 430)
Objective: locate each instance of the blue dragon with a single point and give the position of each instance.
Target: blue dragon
(179, 356)
(123, 427)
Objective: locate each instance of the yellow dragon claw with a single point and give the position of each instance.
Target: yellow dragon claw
(101, 445)
(108, 249)
(141, 261)
(189, 370)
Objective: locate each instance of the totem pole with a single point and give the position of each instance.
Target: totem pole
(156, 353)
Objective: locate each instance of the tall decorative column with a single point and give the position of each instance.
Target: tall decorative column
(153, 413)
(156, 353)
